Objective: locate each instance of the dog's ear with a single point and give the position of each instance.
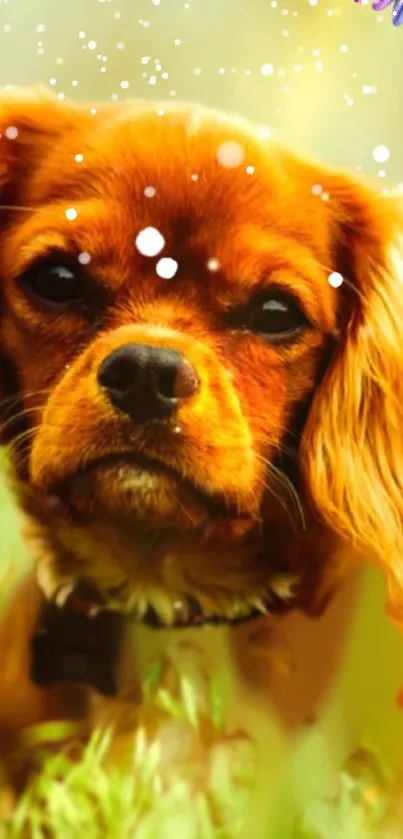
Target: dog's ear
(31, 120)
(352, 446)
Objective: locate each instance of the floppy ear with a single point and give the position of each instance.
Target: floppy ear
(31, 120)
(352, 447)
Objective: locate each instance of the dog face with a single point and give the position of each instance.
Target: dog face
(170, 339)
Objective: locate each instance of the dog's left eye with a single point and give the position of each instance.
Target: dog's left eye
(55, 284)
(275, 316)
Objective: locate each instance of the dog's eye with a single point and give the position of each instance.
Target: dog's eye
(276, 316)
(55, 284)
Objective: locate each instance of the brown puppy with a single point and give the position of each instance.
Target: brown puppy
(197, 419)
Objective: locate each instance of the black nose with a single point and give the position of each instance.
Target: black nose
(147, 382)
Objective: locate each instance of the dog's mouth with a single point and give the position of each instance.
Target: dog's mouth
(159, 605)
(131, 468)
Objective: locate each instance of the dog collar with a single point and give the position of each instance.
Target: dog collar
(80, 642)
(70, 645)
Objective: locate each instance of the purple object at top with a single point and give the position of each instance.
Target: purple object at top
(397, 13)
(380, 5)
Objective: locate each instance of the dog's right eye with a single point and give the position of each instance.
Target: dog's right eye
(58, 285)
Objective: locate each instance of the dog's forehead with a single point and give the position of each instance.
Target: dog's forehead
(213, 186)
(182, 162)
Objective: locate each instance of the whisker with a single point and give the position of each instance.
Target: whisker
(19, 207)
(286, 484)
(20, 415)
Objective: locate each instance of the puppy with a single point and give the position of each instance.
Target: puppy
(201, 341)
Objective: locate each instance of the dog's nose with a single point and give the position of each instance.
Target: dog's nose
(147, 382)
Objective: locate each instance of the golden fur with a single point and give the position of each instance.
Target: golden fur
(331, 399)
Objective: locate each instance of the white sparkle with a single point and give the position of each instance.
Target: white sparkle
(267, 69)
(82, 34)
(194, 178)
(71, 214)
(317, 189)
(263, 133)
(177, 42)
(230, 154)
(197, 71)
(74, 83)
(335, 279)
(120, 45)
(213, 264)
(381, 173)
(150, 191)
(381, 154)
(61, 96)
(11, 132)
(145, 59)
(124, 84)
(250, 170)
(343, 48)
(221, 70)
(79, 158)
(92, 45)
(84, 258)
(93, 111)
(166, 268)
(150, 241)
(152, 80)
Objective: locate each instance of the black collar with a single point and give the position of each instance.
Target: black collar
(71, 646)
(77, 645)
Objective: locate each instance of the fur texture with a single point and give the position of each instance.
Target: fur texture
(289, 451)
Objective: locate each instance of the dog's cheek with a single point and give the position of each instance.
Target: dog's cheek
(11, 421)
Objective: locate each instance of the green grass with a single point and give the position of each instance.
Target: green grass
(207, 797)
(190, 773)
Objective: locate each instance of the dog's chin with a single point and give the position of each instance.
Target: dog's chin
(149, 495)
(193, 559)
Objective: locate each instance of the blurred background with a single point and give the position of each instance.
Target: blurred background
(323, 74)
(324, 77)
